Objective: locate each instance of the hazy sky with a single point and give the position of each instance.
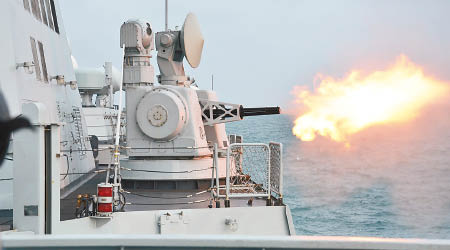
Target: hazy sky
(258, 50)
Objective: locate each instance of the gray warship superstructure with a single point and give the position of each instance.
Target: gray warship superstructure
(174, 179)
(36, 68)
(176, 154)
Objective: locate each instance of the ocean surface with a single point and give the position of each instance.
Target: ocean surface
(392, 181)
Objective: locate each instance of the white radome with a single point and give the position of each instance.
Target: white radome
(192, 40)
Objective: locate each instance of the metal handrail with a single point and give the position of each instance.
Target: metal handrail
(229, 187)
(228, 194)
(280, 181)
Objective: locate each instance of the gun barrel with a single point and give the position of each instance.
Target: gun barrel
(259, 111)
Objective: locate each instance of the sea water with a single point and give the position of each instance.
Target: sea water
(388, 182)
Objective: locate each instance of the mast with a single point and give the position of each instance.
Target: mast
(167, 15)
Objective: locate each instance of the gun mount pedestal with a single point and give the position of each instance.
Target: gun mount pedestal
(172, 127)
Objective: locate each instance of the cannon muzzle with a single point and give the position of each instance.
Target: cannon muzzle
(259, 111)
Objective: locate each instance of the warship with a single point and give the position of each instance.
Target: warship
(155, 171)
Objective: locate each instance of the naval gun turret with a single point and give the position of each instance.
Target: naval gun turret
(171, 126)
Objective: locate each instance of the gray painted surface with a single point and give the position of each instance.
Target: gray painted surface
(213, 242)
(63, 103)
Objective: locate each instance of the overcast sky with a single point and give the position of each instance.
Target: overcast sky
(258, 50)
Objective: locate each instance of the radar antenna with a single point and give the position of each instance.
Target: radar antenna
(175, 45)
(167, 15)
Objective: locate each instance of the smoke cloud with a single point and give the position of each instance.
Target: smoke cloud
(411, 159)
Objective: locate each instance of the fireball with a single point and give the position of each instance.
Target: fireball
(338, 108)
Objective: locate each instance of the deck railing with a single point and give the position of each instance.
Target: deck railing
(253, 170)
(148, 241)
(276, 169)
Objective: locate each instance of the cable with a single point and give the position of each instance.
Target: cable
(168, 198)
(165, 204)
(123, 202)
(6, 222)
(87, 150)
(92, 172)
(167, 172)
(170, 148)
(100, 126)
(84, 150)
(68, 166)
(6, 179)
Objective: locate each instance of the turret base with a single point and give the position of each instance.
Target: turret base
(176, 169)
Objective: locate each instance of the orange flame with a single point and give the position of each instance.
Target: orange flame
(339, 108)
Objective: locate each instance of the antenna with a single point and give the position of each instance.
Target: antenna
(116, 144)
(167, 15)
(175, 45)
